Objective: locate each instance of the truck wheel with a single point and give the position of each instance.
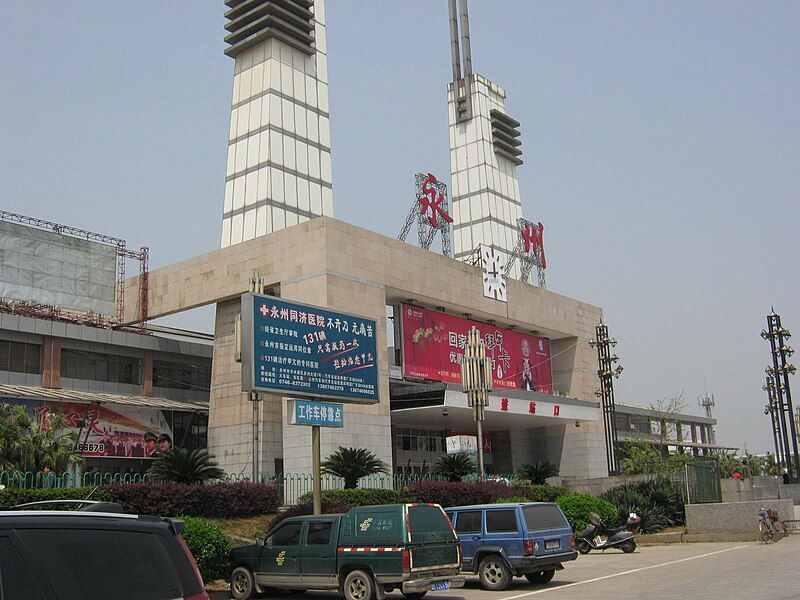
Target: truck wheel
(541, 576)
(358, 586)
(628, 547)
(414, 595)
(583, 546)
(494, 573)
(242, 584)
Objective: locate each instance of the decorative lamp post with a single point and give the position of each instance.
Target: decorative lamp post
(771, 409)
(476, 381)
(780, 371)
(607, 374)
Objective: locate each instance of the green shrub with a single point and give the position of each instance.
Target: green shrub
(209, 546)
(10, 497)
(656, 501)
(512, 500)
(578, 507)
(540, 493)
(537, 472)
(357, 497)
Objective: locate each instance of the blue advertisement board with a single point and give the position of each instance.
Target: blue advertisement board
(314, 412)
(307, 351)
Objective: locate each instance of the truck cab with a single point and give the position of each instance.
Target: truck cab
(363, 554)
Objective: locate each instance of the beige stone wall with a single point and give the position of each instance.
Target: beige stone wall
(342, 267)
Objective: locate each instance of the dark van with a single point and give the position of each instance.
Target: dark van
(503, 541)
(363, 554)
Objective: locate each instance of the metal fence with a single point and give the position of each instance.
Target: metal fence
(38, 479)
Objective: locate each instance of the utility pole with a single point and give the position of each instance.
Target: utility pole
(780, 371)
(476, 381)
(607, 374)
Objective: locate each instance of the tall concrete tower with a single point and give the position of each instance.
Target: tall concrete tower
(279, 156)
(484, 153)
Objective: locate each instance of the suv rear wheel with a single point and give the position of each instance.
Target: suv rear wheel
(540, 576)
(494, 573)
(358, 586)
(242, 584)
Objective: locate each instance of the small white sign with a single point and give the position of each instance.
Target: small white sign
(462, 444)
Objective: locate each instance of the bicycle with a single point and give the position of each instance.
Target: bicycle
(769, 526)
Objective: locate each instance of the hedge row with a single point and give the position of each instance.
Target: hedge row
(240, 499)
(10, 497)
(209, 546)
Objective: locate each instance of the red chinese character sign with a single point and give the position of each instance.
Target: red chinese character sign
(429, 210)
(529, 251)
(434, 342)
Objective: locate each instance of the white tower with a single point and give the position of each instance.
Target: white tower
(279, 156)
(484, 154)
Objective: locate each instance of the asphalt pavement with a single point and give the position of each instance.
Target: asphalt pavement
(721, 571)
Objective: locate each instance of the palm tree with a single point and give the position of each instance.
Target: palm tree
(537, 472)
(30, 444)
(351, 464)
(454, 467)
(181, 465)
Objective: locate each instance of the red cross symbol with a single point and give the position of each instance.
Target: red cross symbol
(532, 236)
(264, 310)
(431, 198)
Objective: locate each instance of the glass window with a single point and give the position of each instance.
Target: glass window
(469, 522)
(108, 562)
(20, 357)
(498, 521)
(319, 533)
(94, 366)
(406, 442)
(287, 535)
(15, 578)
(543, 516)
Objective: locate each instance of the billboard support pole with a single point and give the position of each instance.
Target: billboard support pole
(317, 460)
(476, 382)
(256, 400)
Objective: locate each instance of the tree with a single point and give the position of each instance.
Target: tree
(665, 412)
(640, 458)
(728, 464)
(755, 465)
(537, 472)
(351, 464)
(454, 467)
(30, 444)
(181, 465)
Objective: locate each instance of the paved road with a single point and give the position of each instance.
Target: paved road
(716, 571)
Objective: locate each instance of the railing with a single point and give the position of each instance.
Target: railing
(37, 479)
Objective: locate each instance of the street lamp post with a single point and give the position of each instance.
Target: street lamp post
(607, 374)
(780, 371)
(771, 409)
(476, 381)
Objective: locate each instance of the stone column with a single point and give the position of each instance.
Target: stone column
(147, 373)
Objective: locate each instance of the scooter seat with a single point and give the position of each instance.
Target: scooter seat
(612, 531)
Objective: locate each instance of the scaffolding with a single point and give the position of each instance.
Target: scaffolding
(123, 253)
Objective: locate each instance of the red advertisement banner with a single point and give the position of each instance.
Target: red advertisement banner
(433, 348)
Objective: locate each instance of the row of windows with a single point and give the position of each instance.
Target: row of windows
(20, 357)
(94, 366)
(182, 376)
(420, 440)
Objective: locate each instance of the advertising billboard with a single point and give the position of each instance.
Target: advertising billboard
(433, 348)
(110, 431)
(57, 270)
(308, 352)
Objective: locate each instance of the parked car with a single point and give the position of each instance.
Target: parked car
(363, 554)
(503, 541)
(94, 552)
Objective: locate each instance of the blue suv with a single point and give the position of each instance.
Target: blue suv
(503, 541)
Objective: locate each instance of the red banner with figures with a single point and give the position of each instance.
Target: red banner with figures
(434, 342)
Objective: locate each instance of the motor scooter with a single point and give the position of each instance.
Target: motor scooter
(599, 537)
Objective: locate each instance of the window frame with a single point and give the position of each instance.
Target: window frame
(499, 511)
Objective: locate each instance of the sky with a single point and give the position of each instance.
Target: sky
(660, 142)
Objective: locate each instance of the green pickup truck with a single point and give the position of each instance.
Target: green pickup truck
(365, 553)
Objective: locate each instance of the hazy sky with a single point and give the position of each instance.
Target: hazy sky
(661, 147)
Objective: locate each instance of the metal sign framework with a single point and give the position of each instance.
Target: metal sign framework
(476, 382)
(431, 211)
(529, 251)
(123, 253)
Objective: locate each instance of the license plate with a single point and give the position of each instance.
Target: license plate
(440, 585)
(552, 544)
